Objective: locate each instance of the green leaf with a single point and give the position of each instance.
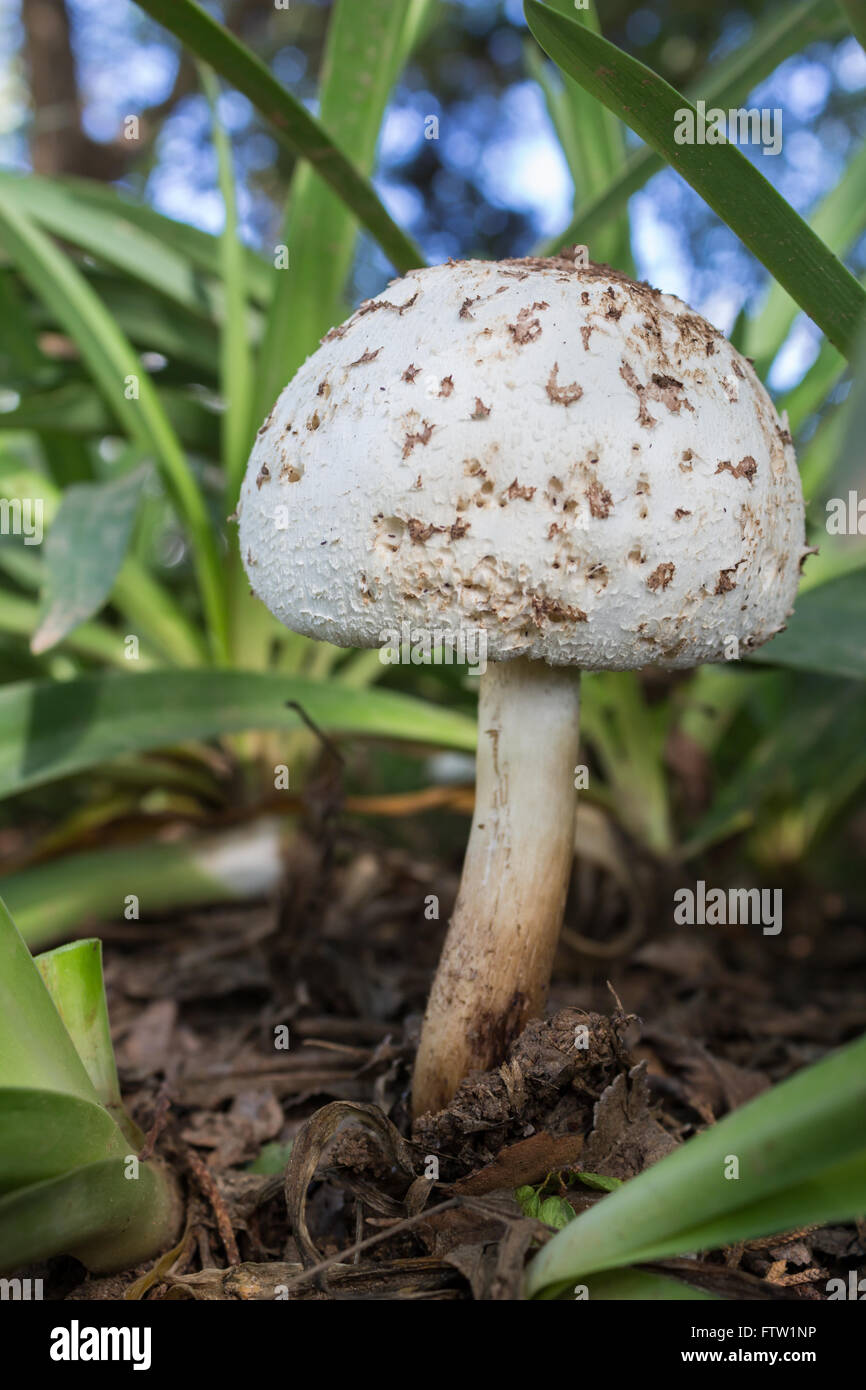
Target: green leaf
(838, 220)
(856, 12)
(45, 1133)
(50, 730)
(727, 83)
(113, 238)
(801, 1153)
(733, 187)
(53, 898)
(36, 1051)
(827, 633)
(82, 411)
(639, 1286)
(73, 977)
(114, 366)
(272, 1158)
(290, 120)
(85, 549)
(98, 1213)
(236, 364)
(365, 46)
(599, 1181)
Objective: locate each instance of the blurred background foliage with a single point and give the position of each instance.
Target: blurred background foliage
(154, 255)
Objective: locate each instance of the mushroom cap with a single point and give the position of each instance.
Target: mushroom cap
(575, 464)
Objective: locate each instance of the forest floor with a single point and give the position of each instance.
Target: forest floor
(240, 1031)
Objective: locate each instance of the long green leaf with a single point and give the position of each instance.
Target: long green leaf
(733, 187)
(58, 896)
(45, 1133)
(856, 13)
(727, 83)
(236, 366)
(365, 46)
(801, 1155)
(117, 369)
(292, 123)
(838, 220)
(50, 730)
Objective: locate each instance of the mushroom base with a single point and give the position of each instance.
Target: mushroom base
(498, 953)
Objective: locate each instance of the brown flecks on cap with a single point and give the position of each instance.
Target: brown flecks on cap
(737, 369)
(372, 306)
(417, 485)
(410, 373)
(746, 468)
(597, 574)
(613, 310)
(467, 305)
(696, 332)
(481, 410)
(668, 391)
(517, 489)
(291, 473)
(629, 376)
(553, 529)
(527, 328)
(262, 476)
(472, 469)
(233, 516)
(562, 395)
(419, 531)
(687, 462)
(785, 435)
(584, 296)
(680, 513)
(337, 332)
(586, 333)
(643, 485)
(808, 550)
(661, 575)
(725, 581)
(366, 356)
(421, 436)
(314, 422)
(446, 386)
(554, 611)
(263, 427)
(323, 388)
(250, 560)
(637, 556)
(458, 529)
(599, 499)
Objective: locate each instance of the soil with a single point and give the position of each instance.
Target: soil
(683, 1025)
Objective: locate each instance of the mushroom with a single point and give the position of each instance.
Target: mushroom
(576, 467)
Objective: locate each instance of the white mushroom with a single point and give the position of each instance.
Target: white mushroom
(545, 452)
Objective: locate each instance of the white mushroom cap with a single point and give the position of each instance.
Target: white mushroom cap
(574, 463)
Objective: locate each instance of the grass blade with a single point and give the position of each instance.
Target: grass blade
(319, 229)
(236, 366)
(50, 730)
(733, 187)
(117, 370)
(57, 896)
(726, 83)
(290, 120)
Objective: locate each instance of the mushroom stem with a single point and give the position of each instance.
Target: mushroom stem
(498, 953)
